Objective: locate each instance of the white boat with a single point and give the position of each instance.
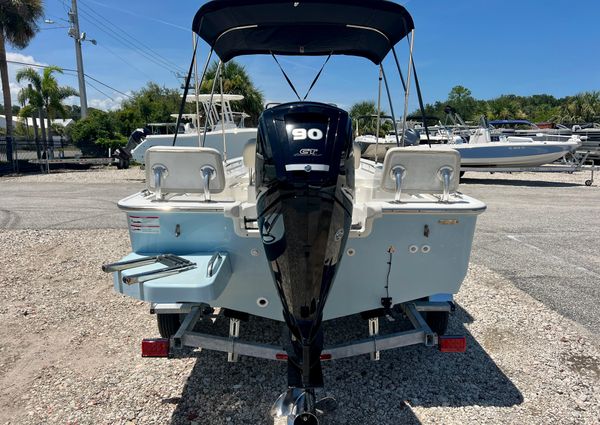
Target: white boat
(511, 151)
(299, 229)
(226, 131)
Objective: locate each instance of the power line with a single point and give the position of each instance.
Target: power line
(132, 37)
(126, 43)
(35, 65)
(100, 91)
(137, 15)
(138, 47)
(125, 61)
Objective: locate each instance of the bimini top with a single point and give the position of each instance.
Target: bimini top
(367, 28)
(497, 123)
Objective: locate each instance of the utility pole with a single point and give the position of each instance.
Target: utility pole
(78, 37)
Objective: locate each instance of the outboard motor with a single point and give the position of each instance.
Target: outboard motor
(305, 186)
(124, 153)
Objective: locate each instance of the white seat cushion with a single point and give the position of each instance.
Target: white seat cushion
(422, 169)
(249, 154)
(357, 154)
(184, 169)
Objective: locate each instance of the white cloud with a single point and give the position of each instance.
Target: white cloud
(98, 103)
(106, 104)
(19, 57)
(15, 87)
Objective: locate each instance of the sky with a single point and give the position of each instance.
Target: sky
(492, 47)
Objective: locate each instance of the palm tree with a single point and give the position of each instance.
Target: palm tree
(581, 108)
(31, 111)
(236, 81)
(44, 93)
(17, 27)
(364, 117)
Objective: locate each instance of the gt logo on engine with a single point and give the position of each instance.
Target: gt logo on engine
(303, 134)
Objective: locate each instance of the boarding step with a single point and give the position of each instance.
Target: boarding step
(169, 278)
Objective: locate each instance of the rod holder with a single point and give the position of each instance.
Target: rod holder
(160, 172)
(398, 173)
(445, 175)
(207, 174)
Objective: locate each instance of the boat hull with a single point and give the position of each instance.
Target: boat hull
(418, 238)
(236, 139)
(508, 154)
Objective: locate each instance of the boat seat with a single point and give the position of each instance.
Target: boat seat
(415, 170)
(249, 159)
(249, 154)
(357, 153)
(178, 169)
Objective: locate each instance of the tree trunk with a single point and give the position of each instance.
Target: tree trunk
(50, 135)
(43, 128)
(7, 101)
(36, 135)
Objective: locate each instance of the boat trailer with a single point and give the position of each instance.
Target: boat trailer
(299, 406)
(234, 346)
(569, 166)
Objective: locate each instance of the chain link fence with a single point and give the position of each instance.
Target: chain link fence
(27, 154)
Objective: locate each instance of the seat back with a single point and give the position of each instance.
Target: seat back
(249, 154)
(421, 169)
(357, 153)
(184, 169)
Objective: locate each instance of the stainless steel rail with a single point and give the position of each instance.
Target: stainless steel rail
(174, 265)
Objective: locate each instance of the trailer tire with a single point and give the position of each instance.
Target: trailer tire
(122, 164)
(168, 324)
(438, 321)
(588, 183)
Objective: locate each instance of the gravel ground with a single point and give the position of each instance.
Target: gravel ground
(69, 351)
(93, 175)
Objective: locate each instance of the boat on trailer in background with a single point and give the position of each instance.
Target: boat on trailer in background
(225, 128)
(299, 229)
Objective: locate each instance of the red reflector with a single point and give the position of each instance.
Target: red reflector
(281, 356)
(325, 356)
(452, 344)
(157, 347)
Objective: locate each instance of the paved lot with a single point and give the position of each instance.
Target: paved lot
(542, 232)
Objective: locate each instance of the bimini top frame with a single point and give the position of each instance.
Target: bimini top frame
(363, 28)
(366, 28)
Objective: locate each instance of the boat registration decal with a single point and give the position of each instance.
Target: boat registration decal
(144, 224)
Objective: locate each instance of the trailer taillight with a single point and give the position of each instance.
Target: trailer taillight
(156, 347)
(452, 344)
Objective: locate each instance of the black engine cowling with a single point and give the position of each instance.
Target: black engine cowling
(305, 185)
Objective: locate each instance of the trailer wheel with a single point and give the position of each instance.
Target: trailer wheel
(168, 324)
(588, 182)
(122, 164)
(437, 321)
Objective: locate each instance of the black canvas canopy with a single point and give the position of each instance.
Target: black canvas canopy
(367, 28)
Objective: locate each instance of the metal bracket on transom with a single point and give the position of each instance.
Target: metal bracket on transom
(374, 331)
(234, 333)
